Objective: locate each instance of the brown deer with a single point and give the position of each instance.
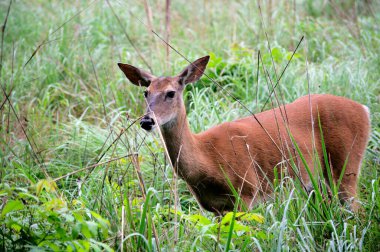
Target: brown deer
(246, 151)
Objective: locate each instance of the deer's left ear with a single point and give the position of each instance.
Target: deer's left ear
(136, 75)
(194, 71)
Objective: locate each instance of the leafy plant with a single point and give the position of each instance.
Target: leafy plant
(40, 218)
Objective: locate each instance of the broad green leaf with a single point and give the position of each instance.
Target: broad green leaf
(103, 223)
(93, 227)
(198, 219)
(78, 216)
(228, 217)
(85, 230)
(16, 227)
(61, 233)
(277, 55)
(239, 227)
(252, 217)
(11, 206)
(51, 245)
(214, 61)
(242, 216)
(103, 245)
(81, 245)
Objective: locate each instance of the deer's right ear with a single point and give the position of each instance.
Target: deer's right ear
(137, 76)
(194, 71)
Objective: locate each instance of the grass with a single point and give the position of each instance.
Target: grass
(78, 110)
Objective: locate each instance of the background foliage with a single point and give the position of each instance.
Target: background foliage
(66, 106)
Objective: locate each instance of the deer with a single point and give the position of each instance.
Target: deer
(246, 152)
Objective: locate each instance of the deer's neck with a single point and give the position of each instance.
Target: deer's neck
(183, 147)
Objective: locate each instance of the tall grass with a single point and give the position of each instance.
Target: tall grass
(78, 110)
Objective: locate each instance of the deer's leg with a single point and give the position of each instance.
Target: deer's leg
(347, 190)
(348, 186)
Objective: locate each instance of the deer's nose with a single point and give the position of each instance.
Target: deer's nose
(147, 123)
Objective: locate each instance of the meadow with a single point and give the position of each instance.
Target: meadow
(79, 174)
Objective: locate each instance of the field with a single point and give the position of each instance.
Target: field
(77, 171)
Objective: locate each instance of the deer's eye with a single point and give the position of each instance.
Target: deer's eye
(145, 93)
(170, 94)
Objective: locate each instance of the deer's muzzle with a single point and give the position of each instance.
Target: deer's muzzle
(147, 123)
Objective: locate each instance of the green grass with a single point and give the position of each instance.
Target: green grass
(74, 102)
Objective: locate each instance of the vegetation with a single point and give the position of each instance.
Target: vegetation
(78, 174)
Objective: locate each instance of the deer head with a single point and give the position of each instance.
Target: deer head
(164, 95)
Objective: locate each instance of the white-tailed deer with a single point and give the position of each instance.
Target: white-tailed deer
(246, 151)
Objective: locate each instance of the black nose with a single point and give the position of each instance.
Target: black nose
(147, 123)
